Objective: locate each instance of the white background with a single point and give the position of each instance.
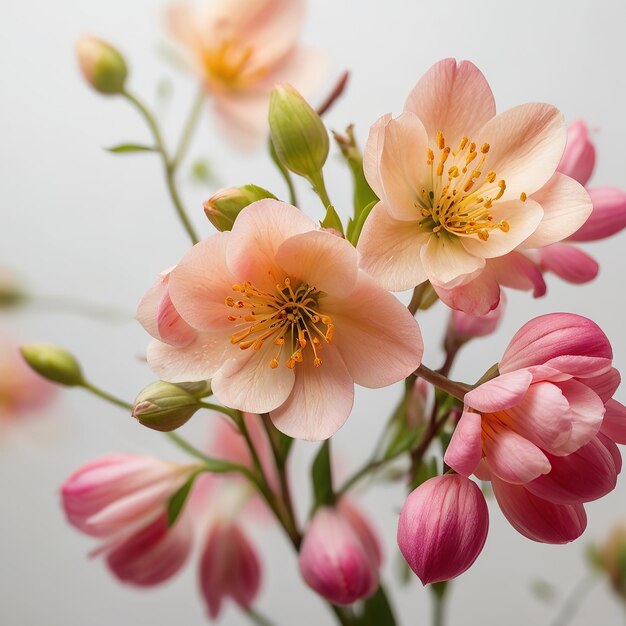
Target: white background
(77, 220)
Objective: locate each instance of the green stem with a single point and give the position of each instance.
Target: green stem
(106, 396)
(343, 614)
(169, 166)
(574, 600)
(188, 131)
(257, 618)
(456, 389)
(319, 186)
(284, 172)
(234, 415)
(75, 306)
(438, 610)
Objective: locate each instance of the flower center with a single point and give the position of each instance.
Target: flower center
(462, 193)
(229, 64)
(287, 317)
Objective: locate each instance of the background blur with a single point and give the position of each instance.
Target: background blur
(78, 221)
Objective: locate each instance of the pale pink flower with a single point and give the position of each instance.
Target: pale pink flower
(443, 527)
(124, 499)
(240, 49)
(461, 188)
(537, 430)
(464, 326)
(286, 322)
(340, 555)
(607, 218)
(22, 391)
(229, 567)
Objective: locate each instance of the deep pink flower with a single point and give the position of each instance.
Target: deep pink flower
(340, 555)
(443, 527)
(537, 431)
(124, 499)
(229, 567)
(286, 323)
(240, 49)
(462, 188)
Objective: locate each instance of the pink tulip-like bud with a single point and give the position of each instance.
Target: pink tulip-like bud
(443, 527)
(103, 67)
(334, 559)
(608, 216)
(229, 567)
(579, 157)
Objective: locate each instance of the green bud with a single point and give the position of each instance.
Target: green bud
(223, 208)
(298, 133)
(54, 363)
(165, 406)
(11, 295)
(103, 67)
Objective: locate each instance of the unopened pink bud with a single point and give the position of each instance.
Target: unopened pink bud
(443, 527)
(229, 568)
(334, 561)
(103, 67)
(579, 157)
(465, 326)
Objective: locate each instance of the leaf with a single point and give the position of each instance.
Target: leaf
(177, 501)
(322, 477)
(126, 148)
(356, 225)
(332, 219)
(377, 611)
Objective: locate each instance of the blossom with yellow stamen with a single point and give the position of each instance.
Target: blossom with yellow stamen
(240, 49)
(460, 188)
(282, 321)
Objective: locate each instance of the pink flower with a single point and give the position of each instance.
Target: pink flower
(537, 430)
(229, 567)
(286, 323)
(463, 326)
(22, 391)
(607, 218)
(124, 499)
(340, 555)
(443, 527)
(240, 49)
(461, 188)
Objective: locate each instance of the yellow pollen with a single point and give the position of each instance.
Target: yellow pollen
(461, 195)
(287, 315)
(523, 197)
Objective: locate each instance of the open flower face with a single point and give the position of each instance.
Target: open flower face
(460, 186)
(285, 322)
(240, 49)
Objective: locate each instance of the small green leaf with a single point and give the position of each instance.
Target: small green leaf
(356, 226)
(322, 477)
(126, 148)
(177, 501)
(377, 611)
(332, 220)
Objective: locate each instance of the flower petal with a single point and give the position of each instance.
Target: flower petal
(513, 458)
(539, 519)
(454, 98)
(320, 259)
(526, 143)
(378, 338)
(614, 422)
(248, 383)
(579, 157)
(320, 401)
(258, 232)
(499, 393)
(199, 360)
(605, 385)
(517, 271)
(476, 297)
(446, 262)
(465, 450)
(568, 263)
(566, 207)
(372, 153)
(608, 216)
(522, 218)
(390, 250)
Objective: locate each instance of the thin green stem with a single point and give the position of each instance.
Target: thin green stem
(456, 389)
(169, 165)
(189, 129)
(284, 172)
(106, 396)
(438, 610)
(234, 415)
(75, 306)
(574, 600)
(343, 614)
(257, 618)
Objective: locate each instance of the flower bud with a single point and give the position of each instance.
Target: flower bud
(334, 561)
(463, 326)
(298, 133)
(102, 65)
(223, 208)
(165, 406)
(443, 527)
(53, 363)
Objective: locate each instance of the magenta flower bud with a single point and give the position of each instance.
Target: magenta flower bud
(334, 559)
(229, 567)
(443, 527)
